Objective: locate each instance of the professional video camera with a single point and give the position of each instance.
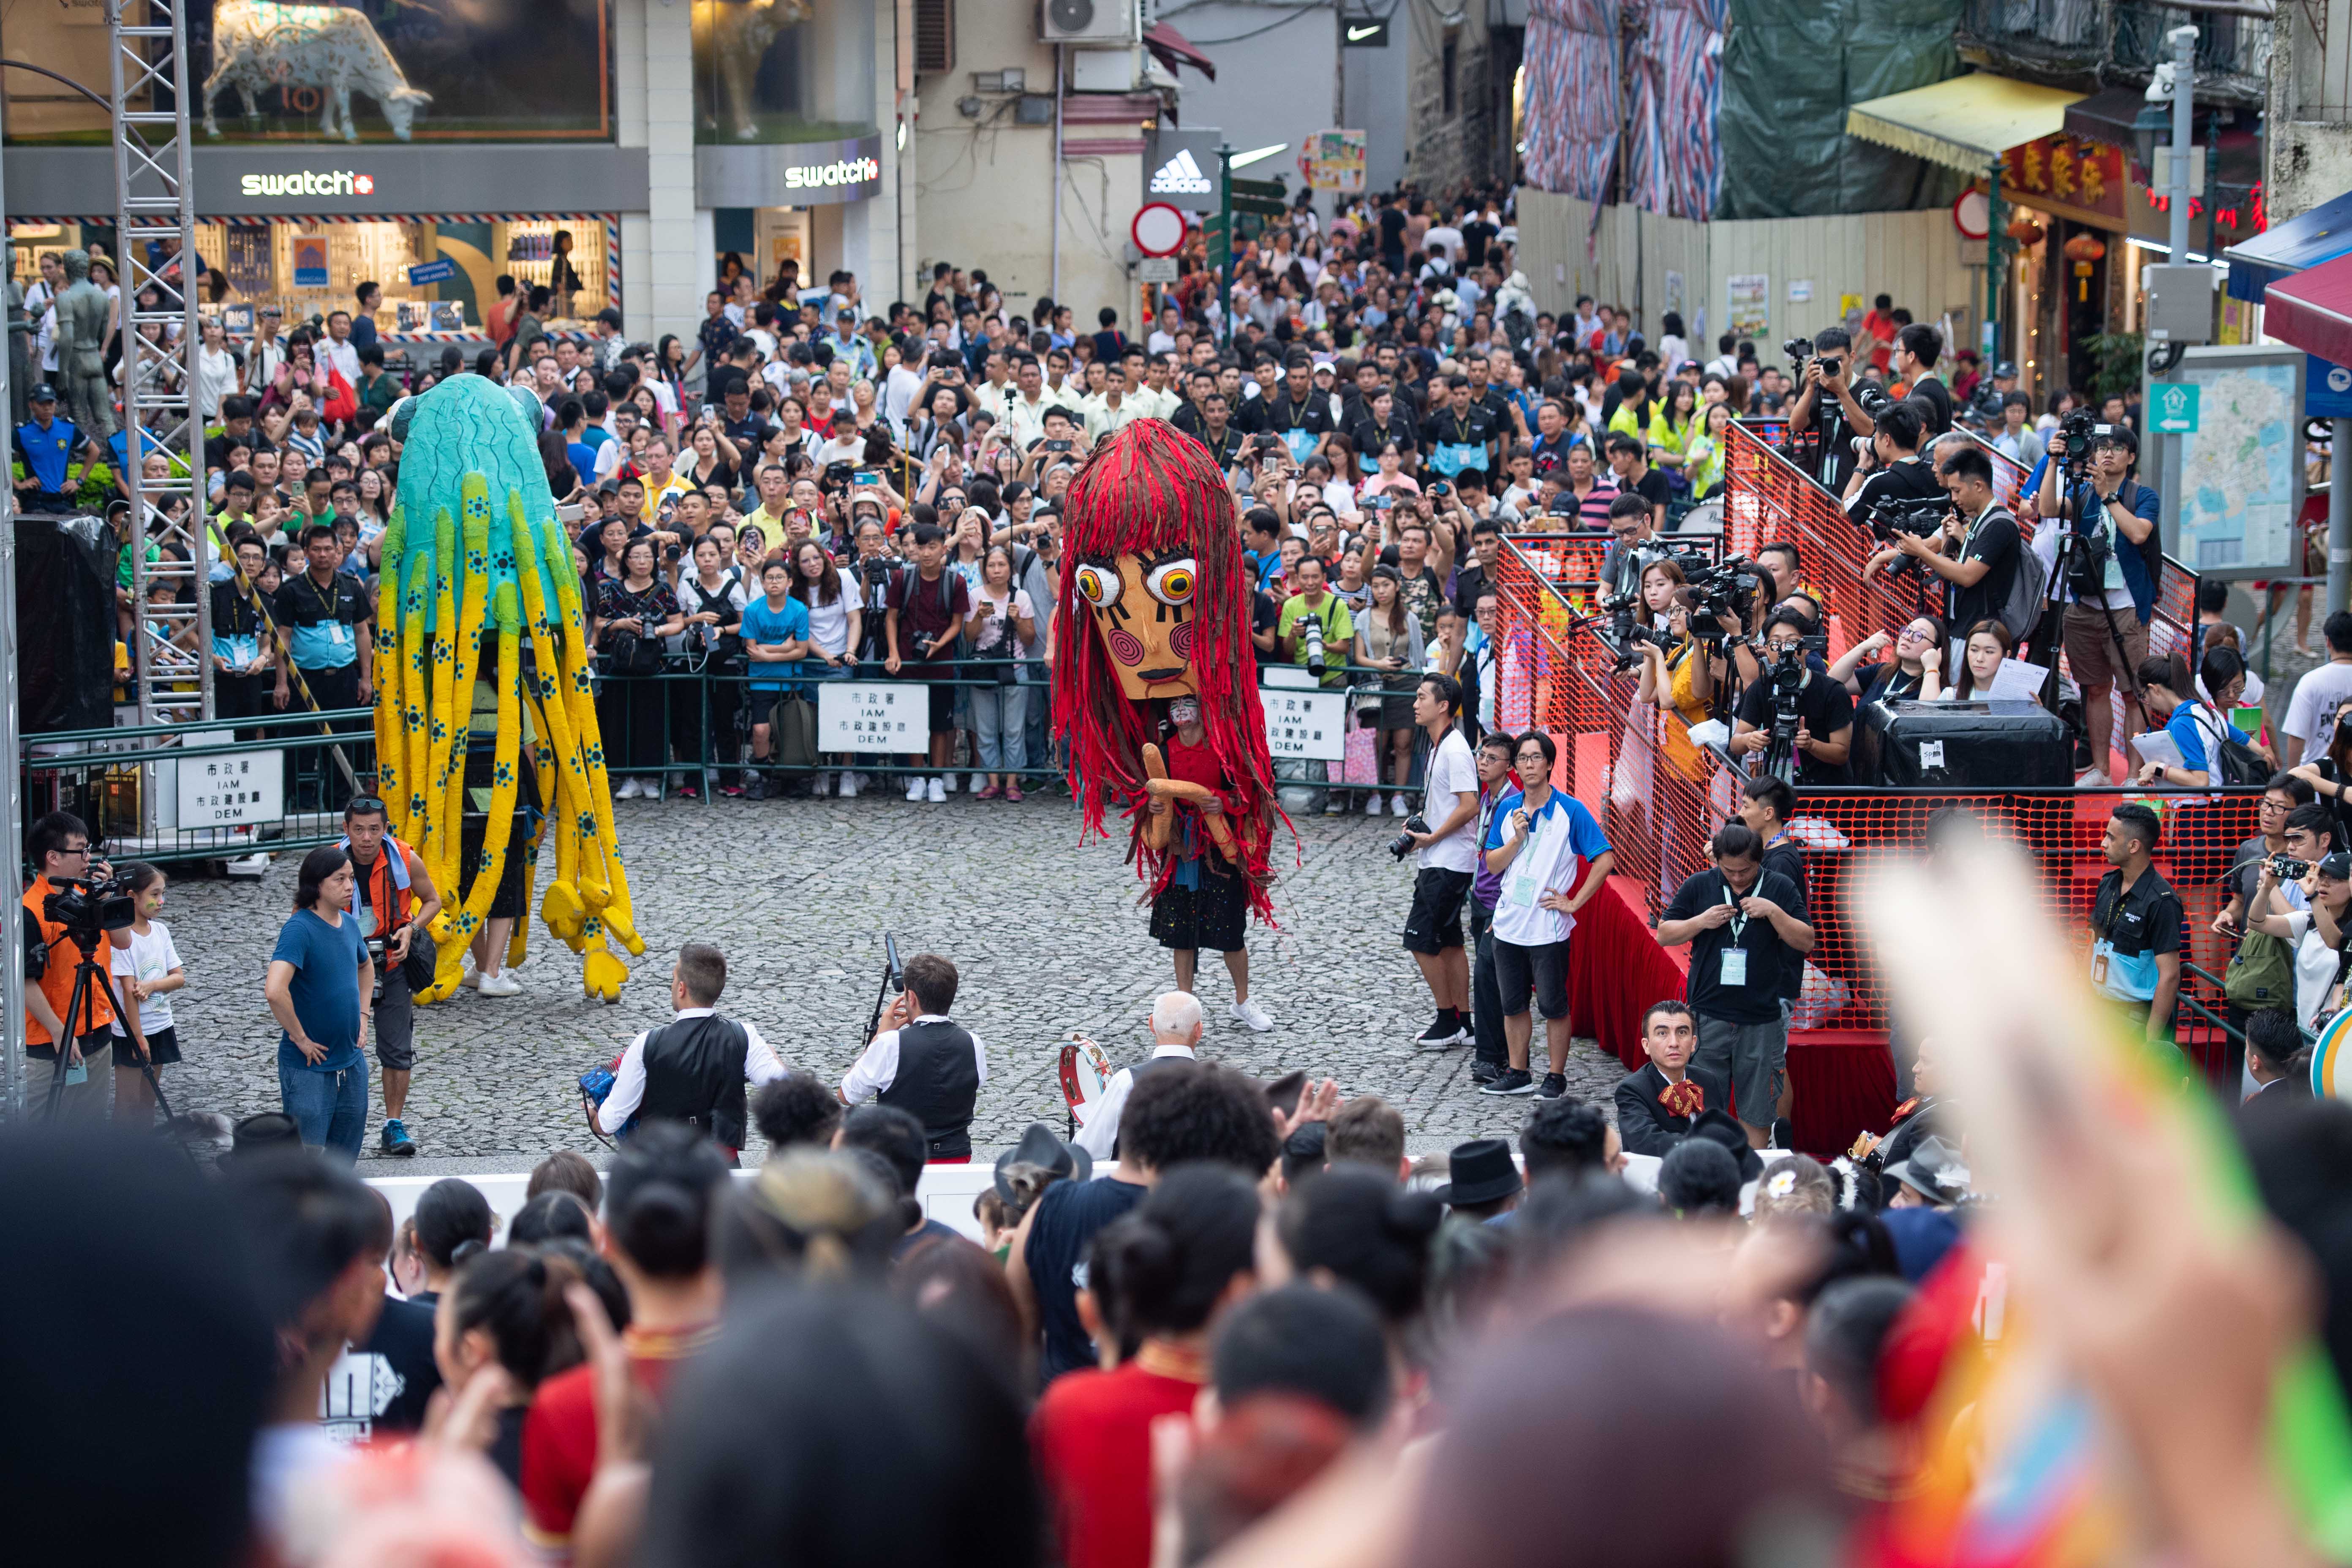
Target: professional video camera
(1725, 587)
(1874, 399)
(2079, 429)
(1799, 351)
(1310, 634)
(88, 906)
(1784, 674)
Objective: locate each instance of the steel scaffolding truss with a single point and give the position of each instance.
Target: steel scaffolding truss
(156, 200)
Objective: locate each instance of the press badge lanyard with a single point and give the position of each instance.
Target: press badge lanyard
(1734, 957)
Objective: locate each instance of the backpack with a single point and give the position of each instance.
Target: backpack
(2228, 761)
(2260, 974)
(2020, 613)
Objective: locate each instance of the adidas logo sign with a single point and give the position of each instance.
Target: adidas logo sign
(1181, 176)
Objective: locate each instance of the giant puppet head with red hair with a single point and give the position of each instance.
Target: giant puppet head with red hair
(1152, 557)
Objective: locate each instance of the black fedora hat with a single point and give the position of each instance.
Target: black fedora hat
(1039, 1147)
(1481, 1172)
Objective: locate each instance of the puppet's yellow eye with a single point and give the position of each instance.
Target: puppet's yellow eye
(1171, 582)
(1099, 585)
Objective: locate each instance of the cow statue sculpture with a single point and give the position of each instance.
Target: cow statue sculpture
(258, 45)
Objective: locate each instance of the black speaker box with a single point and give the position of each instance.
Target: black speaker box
(1961, 745)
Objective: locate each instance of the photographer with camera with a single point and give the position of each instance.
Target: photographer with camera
(1893, 476)
(1444, 838)
(1552, 857)
(395, 902)
(1634, 544)
(2316, 931)
(1314, 629)
(694, 1067)
(1826, 409)
(1795, 719)
(63, 929)
(923, 1062)
(2098, 534)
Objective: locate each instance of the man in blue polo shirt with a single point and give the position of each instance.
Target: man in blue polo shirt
(50, 443)
(776, 637)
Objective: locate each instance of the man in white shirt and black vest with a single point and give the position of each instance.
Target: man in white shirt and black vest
(924, 1063)
(694, 1067)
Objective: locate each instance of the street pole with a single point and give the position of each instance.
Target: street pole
(11, 818)
(1225, 212)
(2184, 130)
(1996, 265)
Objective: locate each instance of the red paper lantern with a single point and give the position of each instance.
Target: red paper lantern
(2025, 231)
(2086, 247)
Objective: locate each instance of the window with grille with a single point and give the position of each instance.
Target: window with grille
(934, 36)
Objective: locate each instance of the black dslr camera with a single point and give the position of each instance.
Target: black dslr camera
(1310, 638)
(2079, 429)
(1401, 845)
(1717, 588)
(2286, 869)
(88, 906)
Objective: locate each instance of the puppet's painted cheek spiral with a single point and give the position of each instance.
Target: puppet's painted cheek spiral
(1125, 646)
(1180, 642)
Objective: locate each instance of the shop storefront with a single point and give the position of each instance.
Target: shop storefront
(789, 150)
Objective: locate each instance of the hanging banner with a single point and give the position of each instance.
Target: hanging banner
(1334, 160)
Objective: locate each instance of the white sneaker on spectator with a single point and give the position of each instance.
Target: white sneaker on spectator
(848, 788)
(472, 981)
(1251, 1014)
(630, 789)
(939, 791)
(1397, 806)
(979, 783)
(2092, 778)
(500, 984)
(823, 786)
(915, 787)
(1336, 806)
(948, 782)
(1373, 804)
(653, 791)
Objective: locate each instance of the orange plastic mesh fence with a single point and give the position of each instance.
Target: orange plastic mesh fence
(1659, 799)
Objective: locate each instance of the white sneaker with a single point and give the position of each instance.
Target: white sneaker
(500, 984)
(939, 791)
(1372, 805)
(1251, 1014)
(823, 784)
(849, 787)
(472, 979)
(1397, 806)
(979, 783)
(915, 788)
(948, 782)
(2092, 778)
(653, 790)
(630, 789)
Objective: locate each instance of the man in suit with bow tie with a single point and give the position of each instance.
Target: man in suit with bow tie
(1656, 1103)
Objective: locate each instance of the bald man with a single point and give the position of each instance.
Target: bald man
(1175, 1036)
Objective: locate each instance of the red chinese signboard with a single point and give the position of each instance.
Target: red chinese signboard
(2085, 179)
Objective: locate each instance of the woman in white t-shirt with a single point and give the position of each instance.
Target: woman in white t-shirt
(2318, 931)
(145, 973)
(1002, 625)
(836, 621)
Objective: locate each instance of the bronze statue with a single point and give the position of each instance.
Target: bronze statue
(82, 310)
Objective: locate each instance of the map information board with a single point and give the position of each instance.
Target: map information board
(2236, 468)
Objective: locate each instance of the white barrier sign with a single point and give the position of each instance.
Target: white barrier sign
(1312, 725)
(873, 716)
(231, 792)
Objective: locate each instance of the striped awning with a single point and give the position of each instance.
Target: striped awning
(1966, 123)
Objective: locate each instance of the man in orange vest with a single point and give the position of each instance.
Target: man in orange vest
(400, 891)
(59, 845)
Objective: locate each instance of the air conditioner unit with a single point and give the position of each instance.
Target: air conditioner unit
(1088, 22)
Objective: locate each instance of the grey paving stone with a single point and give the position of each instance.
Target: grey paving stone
(1043, 927)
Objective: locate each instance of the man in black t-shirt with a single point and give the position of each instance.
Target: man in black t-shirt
(1747, 928)
(1895, 472)
(1825, 710)
(1631, 462)
(1985, 537)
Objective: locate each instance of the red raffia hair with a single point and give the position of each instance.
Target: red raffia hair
(1151, 487)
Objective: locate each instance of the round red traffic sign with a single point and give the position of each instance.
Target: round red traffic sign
(1158, 230)
(1972, 215)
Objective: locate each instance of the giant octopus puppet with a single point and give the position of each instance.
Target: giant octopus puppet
(480, 611)
(1160, 704)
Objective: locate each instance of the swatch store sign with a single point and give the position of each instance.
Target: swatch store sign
(340, 180)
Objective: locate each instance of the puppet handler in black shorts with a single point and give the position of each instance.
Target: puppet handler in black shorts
(1206, 900)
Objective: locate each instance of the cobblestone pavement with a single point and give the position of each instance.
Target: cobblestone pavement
(1042, 929)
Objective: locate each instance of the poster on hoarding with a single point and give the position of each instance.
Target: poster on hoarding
(505, 70)
(1751, 302)
(1334, 160)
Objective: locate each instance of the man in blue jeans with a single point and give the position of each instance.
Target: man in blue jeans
(320, 987)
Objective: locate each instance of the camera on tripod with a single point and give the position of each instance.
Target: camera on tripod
(2080, 429)
(1719, 588)
(87, 906)
(1401, 845)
